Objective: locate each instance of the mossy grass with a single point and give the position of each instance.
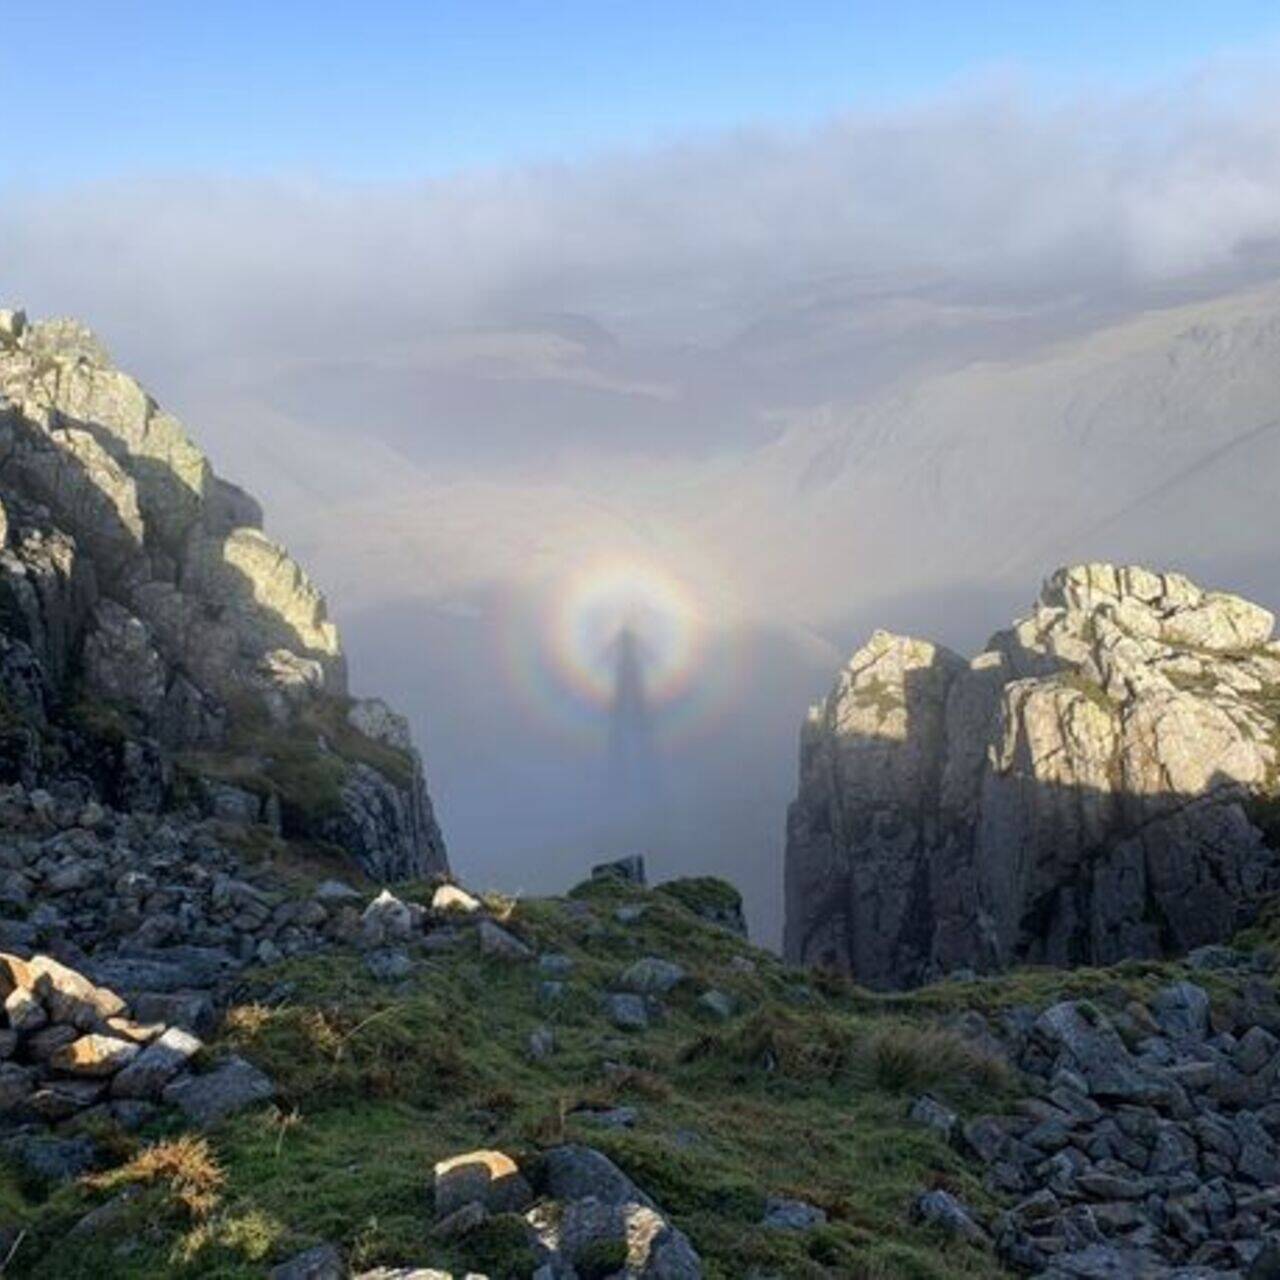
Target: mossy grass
(298, 865)
(102, 720)
(703, 893)
(329, 717)
(1089, 689)
(304, 765)
(879, 694)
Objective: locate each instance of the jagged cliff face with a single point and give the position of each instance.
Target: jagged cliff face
(1096, 784)
(155, 645)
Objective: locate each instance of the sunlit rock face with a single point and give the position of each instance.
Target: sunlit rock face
(139, 595)
(1096, 784)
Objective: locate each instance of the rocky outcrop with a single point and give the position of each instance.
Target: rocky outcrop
(155, 642)
(1088, 788)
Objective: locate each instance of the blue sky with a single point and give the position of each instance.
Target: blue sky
(401, 89)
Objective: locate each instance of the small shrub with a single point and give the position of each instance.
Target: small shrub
(501, 1101)
(250, 1235)
(103, 721)
(906, 1058)
(500, 905)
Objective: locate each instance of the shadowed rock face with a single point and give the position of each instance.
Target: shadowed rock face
(1082, 791)
(137, 585)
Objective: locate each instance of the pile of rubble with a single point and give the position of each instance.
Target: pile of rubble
(87, 877)
(71, 1052)
(1152, 1143)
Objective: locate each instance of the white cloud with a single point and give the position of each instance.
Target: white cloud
(979, 187)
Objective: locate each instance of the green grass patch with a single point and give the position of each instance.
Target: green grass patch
(1089, 688)
(701, 894)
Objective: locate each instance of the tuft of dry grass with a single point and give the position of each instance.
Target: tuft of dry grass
(251, 1234)
(185, 1167)
(500, 906)
(246, 1019)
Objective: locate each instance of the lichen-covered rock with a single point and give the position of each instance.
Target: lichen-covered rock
(121, 664)
(323, 1262)
(69, 996)
(651, 975)
(501, 944)
(389, 829)
(272, 602)
(1077, 793)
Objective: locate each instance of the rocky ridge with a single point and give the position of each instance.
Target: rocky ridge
(157, 649)
(1096, 784)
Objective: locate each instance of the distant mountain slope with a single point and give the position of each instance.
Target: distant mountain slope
(1160, 432)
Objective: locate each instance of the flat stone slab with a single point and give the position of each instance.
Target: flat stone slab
(323, 1262)
(337, 893)
(147, 1075)
(53, 1159)
(626, 1012)
(95, 1055)
(229, 1088)
(651, 976)
(496, 941)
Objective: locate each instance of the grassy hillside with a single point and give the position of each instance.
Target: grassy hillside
(803, 1093)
